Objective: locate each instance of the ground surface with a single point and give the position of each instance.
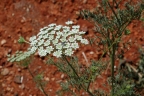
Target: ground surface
(25, 18)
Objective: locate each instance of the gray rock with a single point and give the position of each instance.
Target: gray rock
(18, 79)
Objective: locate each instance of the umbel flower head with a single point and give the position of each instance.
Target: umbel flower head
(53, 39)
(57, 40)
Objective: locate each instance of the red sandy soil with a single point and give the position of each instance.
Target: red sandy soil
(25, 18)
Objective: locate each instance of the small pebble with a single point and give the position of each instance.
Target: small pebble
(8, 88)
(58, 81)
(52, 79)
(84, 1)
(91, 52)
(13, 14)
(5, 71)
(54, 1)
(77, 12)
(62, 76)
(9, 51)
(50, 90)
(19, 70)
(46, 79)
(15, 41)
(22, 86)
(3, 85)
(3, 42)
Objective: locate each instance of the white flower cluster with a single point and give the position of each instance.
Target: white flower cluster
(57, 40)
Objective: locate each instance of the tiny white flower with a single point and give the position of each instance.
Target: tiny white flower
(57, 53)
(78, 37)
(40, 33)
(58, 36)
(40, 42)
(73, 31)
(63, 39)
(75, 45)
(28, 53)
(59, 33)
(59, 46)
(43, 32)
(68, 52)
(45, 36)
(33, 49)
(76, 27)
(82, 32)
(65, 35)
(84, 41)
(47, 43)
(39, 37)
(32, 38)
(63, 43)
(42, 29)
(51, 37)
(69, 22)
(67, 45)
(40, 48)
(42, 52)
(55, 41)
(71, 39)
(52, 32)
(49, 49)
(66, 28)
(33, 43)
(69, 33)
(50, 28)
(52, 25)
(58, 27)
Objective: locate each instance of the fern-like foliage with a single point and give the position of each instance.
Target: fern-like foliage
(111, 22)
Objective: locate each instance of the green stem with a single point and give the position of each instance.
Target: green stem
(41, 87)
(114, 13)
(114, 2)
(64, 57)
(86, 89)
(90, 93)
(112, 66)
